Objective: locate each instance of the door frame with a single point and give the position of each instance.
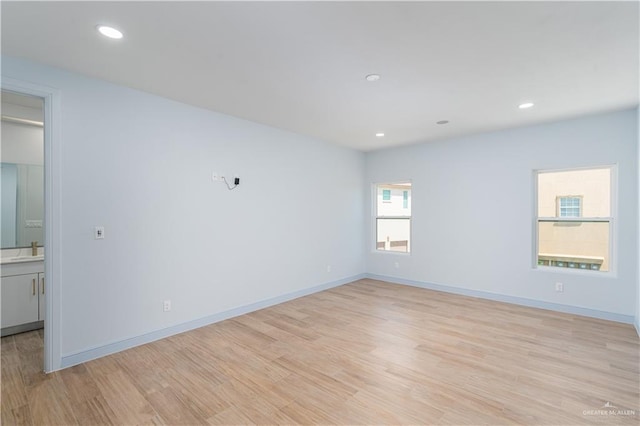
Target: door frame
(52, 215)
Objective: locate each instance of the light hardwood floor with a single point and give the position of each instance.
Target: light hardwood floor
(365, 353)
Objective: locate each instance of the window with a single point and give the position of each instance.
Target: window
(393, 217)
(574, 231)
(569, 206)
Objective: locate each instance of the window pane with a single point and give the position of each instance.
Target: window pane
(393, 199)
(569, 212)
(393, 216)
(587, 191)
(579, 245)
(393, 234)
(569, 207)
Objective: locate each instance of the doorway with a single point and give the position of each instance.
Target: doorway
(23, 288)
(25, 95)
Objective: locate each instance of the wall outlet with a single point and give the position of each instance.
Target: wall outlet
(559, 287)
(98, 232)
(166, 305)
(397, 265)
(328, 268)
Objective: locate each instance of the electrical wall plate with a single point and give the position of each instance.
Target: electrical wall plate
(99, 233)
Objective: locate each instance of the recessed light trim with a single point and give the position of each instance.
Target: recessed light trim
(109, 32)
(442, 122)
(373, 77)
(525, 105)
(379, 135)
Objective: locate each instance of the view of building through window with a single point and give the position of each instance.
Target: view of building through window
(393, 217)
(574, 219)
(569, 206)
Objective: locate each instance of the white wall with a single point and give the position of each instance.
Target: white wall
(473, 211)
(141, 166)
(637, 319)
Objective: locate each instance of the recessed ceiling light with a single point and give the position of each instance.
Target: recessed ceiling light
(525, 105)
(380, 135)
(442, 122)
(373, 77)
(109, 31)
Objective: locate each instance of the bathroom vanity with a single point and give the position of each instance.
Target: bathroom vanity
(23, 294)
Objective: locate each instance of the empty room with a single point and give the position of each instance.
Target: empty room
(346, 213)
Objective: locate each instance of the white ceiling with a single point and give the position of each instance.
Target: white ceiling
(300, 66)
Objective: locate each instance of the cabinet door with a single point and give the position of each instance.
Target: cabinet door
(41, 296)
(19, 300)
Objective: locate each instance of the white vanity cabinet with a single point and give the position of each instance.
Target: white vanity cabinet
(22, 297)
(41, 297)
(19, 299)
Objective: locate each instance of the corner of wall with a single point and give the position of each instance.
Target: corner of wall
(637, 318)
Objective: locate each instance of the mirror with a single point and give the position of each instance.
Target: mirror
(22, 204)
(22, 168)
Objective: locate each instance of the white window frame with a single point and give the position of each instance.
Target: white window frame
(613, 229)
(374, 218)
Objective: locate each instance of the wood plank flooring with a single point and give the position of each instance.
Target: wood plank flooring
(365, 353)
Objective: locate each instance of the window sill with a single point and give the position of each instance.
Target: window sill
(575, 271)
(396, 253)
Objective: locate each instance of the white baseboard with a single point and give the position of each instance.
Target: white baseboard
(611, 316)
(69, 360)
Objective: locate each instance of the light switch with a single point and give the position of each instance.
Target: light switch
(99, 233)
